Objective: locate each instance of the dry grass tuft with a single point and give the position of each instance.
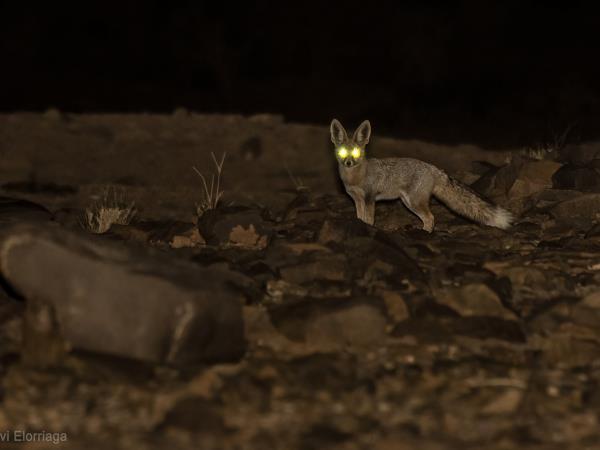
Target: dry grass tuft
(549, 149)
(111, 208)
(211, 196)
(297, 181)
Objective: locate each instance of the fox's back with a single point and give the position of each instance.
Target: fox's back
(388, 178)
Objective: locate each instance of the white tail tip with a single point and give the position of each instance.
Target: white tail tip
(501, 218)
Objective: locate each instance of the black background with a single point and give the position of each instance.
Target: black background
(493, 72)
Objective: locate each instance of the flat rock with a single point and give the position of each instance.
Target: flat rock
(122, 301)
(474, 300)
(334, 323)
(550, 197)
(338, 230)
(330, 267)
(585, 206)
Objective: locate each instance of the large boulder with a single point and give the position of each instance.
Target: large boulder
(533, 177)
(579, 177)
(518, 179)
(128, 302)
(582, 207)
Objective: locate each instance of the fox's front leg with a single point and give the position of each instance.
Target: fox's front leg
(359, 204)
(361, 213)
(369, 210)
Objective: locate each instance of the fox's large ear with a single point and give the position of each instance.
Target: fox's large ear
(338, 134)
(362, 133)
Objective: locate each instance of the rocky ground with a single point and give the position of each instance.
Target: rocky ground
(278, 320)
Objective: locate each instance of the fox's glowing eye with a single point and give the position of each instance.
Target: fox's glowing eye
(355, 152)
(343, 152)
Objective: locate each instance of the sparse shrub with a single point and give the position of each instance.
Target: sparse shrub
(549, 148)
(297, 181)
(211, 196)
(111, 208)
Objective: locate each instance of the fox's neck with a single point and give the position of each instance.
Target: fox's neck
(355, 175)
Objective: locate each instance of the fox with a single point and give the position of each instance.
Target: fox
(413, 181)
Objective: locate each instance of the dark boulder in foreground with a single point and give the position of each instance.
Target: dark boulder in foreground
(127, 302)
(13, 210)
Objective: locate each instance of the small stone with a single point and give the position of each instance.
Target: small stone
(300, 248)
(332, 268)
(553, 391)
(190, 239)
(181, 242)
(247, 238)
(251, 149)
(266, 119)
(339, 230)
(396, 306)
(196, 414)
(375, 273)
(592, 300)
(330, 233)
(53, 115)
(239, 226)
(259, 329)
(180, 112)
(505, 403)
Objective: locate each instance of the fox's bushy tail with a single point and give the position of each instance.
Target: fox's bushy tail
(466, 202)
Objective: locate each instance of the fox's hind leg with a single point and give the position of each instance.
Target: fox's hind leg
(420, 206)
(425, 215)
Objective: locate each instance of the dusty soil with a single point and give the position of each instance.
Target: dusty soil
(357, 337)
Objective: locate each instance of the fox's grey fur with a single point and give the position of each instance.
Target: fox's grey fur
(411, 180)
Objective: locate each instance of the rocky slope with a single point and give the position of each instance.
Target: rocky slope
(298, 326)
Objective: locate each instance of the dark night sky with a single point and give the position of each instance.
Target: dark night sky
(443, 70)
